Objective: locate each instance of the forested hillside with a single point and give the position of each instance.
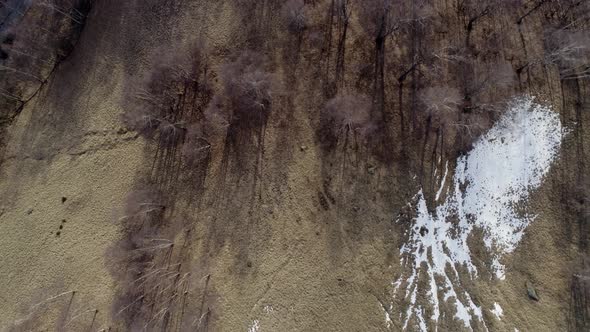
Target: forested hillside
(294, 165)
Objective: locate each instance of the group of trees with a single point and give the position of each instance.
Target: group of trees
(34, 42)
(176, 110)
(340, 12)
(152, 265)
(159, 286)
(566, 47)
(241, 109)
(167, 109)
(245, 99)
(35, 35)
(180, 111)
(569, 51)
(379, 19)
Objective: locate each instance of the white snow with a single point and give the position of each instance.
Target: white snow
(388, 320)
(255, 327)
(497, 311)
(489, 185)
(442, 182)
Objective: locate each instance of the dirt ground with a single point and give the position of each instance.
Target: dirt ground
(313, 243)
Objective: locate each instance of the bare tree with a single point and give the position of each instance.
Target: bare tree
(69, 10)
(148, 262)
(476, 78)
(495, 75)
(338, 19)
(534, 8)
(379, 19)
(242, 108)
(144, 207)
(570, 13)
(474, 11)
(294, 13)
(155, 112)
(348, 113)
(248, 90)
(441, 103)
(343, 13)
(346, 126)
(52, 305)
(32, 41)
(169, 95)
(217, 115)
(569, 51)
(197, 148)
(579, 314)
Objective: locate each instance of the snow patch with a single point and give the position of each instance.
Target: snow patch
(388, 320)
(255, 327)
(497, 311)
(490, 186)
(442, 182)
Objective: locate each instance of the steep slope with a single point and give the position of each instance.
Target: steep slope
(300, 166)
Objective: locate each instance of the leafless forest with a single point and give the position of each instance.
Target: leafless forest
(389, 87)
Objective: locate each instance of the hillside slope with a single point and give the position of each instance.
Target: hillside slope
(318, 165)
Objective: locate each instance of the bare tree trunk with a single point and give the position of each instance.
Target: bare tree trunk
(379, 81)
(341, 54)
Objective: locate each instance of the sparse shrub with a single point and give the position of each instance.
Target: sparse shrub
(49, 35)
(501, 74)
(294, 14)
(33, 40)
